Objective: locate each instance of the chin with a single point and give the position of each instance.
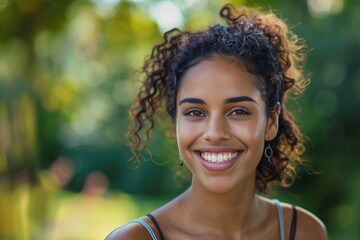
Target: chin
(220, 185)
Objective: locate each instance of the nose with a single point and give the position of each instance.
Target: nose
(216, 129)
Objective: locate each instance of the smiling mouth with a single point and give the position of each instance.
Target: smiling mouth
(219, 157)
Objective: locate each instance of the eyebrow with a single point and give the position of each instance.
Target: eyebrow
(227, 101)
(191, 100)
(240, 99)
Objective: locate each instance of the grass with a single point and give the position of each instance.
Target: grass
(79, 216)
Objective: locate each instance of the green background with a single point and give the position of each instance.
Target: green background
(66, 70)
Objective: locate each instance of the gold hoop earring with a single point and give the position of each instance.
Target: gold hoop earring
(268, 152)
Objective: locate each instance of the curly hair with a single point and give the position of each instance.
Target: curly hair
(267, 48)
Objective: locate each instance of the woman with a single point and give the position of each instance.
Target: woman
(225, 89)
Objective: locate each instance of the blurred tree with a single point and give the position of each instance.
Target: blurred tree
(20, 133)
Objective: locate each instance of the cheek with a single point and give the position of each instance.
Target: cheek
(252, 136)
(182, 131)
(251, 132)
(186, 133)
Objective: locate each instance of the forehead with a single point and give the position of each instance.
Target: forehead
(218, 77)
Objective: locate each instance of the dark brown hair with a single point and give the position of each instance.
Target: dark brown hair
(268, 49)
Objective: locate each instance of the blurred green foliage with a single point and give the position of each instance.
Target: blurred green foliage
(66, 70)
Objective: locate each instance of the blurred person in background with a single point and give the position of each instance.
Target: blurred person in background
(225, 88)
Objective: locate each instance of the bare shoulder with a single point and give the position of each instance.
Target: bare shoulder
(130, 231)
(308, 225)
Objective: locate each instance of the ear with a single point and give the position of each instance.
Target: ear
(273, 123)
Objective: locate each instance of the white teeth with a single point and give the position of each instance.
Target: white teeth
(218, 157)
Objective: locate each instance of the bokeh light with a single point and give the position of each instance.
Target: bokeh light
(323, 8)
(167, 15)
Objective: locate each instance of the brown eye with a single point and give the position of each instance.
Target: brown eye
(194, 113)
(239, 112)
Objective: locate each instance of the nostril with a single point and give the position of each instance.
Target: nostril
(216, 134)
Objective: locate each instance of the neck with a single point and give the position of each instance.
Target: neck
(233, 211)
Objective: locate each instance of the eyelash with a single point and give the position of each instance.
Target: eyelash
(190, 113)
(239, 112)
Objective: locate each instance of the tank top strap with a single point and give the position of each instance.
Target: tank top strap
(293, 224)
(281, 219)
(152, 218)
(148, 228)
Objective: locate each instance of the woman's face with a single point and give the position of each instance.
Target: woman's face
(221, 124)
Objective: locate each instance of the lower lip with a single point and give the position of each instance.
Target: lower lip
(214, 166)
